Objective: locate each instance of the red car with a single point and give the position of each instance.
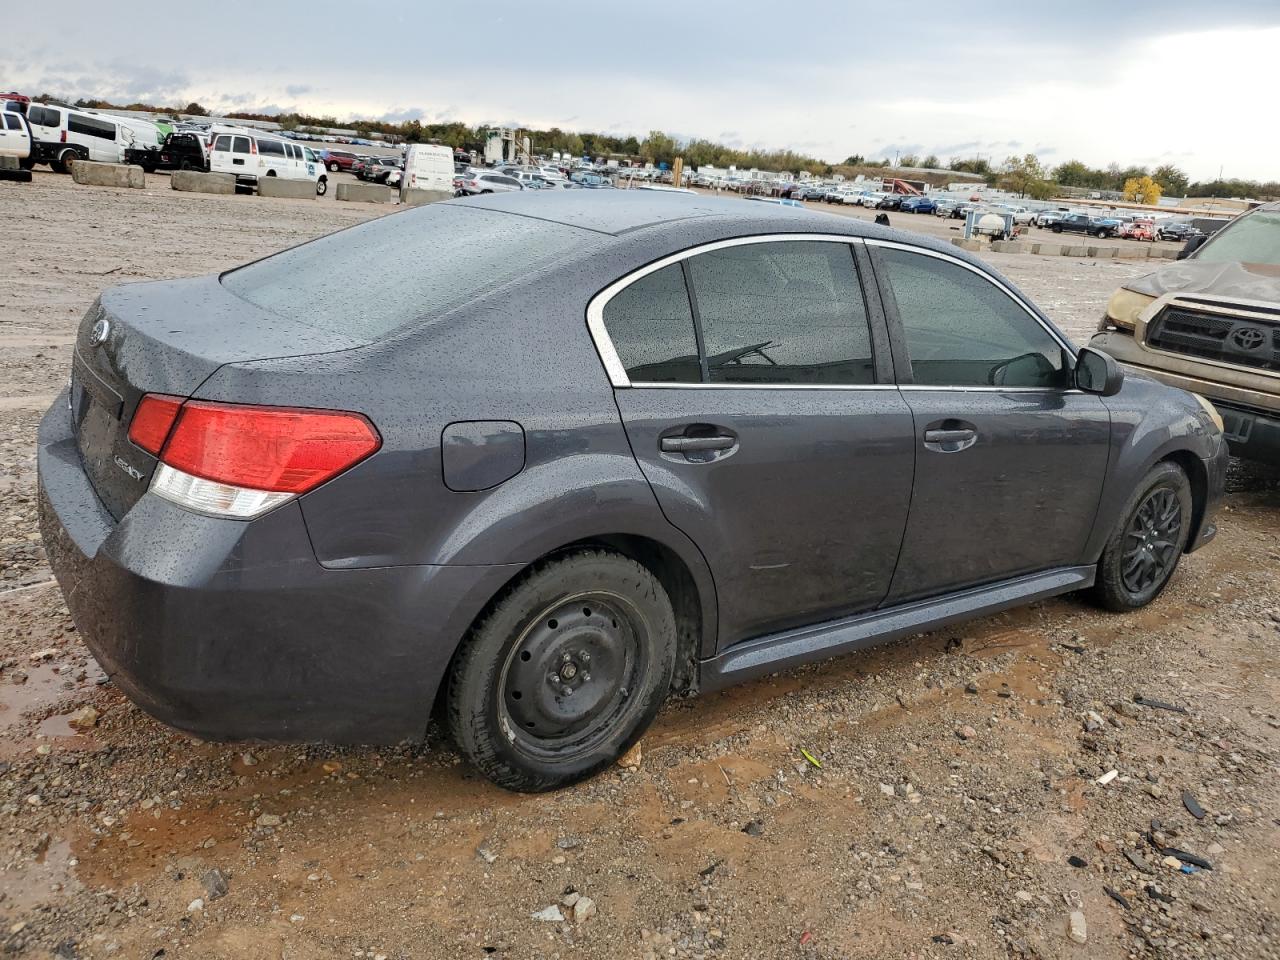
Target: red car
(337, 160)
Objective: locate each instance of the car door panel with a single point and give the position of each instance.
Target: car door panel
(770, 433)
(1020, 497)
(801, 520)
(1010, 458)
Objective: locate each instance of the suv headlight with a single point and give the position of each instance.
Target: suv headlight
(1123, 308)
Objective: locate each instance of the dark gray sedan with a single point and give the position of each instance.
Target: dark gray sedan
(537, 461)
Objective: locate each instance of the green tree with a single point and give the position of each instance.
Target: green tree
(658, 147)
(931, 161)
(1171, 180)
(1025, 176)
(854, 160)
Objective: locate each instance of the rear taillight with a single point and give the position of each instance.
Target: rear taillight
(239, 461)
(153, 420)
(63, 137)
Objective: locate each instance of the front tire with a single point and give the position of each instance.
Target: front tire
(564, 673)
(322, 187)
(1143, 551)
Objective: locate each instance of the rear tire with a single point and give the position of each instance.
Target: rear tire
(1143, 550)
(564, 673)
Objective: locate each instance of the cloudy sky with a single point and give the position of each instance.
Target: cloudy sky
(1181, 81)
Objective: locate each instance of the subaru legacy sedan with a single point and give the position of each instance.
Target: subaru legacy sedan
(532, 463)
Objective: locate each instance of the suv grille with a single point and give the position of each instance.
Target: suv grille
(1246, 343)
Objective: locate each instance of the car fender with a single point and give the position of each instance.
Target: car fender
(1149, 423)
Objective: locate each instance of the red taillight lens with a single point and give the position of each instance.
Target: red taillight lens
(152, 421)
(267, 448)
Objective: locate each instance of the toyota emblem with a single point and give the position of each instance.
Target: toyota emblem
(101, 330)
(1248, 338)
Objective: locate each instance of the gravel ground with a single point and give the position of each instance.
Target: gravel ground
(952, 809)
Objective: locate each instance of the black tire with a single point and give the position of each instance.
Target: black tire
(506, 701)
(1056, 229)
(65, 161)
(1143, 550)
(322, 186)
(333, 168)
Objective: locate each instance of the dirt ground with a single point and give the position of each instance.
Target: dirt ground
(952, 808)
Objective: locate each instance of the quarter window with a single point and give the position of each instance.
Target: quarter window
(787, 312)
(271, 148)
(223, 143)
(651, 327)
(962, 330)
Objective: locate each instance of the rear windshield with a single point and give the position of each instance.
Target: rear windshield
(380, 275)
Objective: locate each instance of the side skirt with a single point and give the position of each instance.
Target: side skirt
(754, 658)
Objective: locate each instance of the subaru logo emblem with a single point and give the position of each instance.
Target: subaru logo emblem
(1248, 338)
(101, 330)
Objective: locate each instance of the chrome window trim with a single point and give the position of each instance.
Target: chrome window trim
(613, 364)
(1061, 340)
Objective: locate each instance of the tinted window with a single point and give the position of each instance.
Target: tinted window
(651, 327)
(962, 330)
(789, 312)
(240, 145)
(12, 122)
(222, 143)
(378, 276)
(44, 116)
(270, 148)
(91, 126)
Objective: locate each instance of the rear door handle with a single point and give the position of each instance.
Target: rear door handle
(693, 444)
(949, 436)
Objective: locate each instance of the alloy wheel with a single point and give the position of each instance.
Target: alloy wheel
(1151, 541)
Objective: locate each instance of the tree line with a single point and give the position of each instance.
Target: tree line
(1025, 175)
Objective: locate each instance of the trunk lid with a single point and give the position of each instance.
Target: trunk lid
(166, 337)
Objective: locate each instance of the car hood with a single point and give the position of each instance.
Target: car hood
(1252, 281)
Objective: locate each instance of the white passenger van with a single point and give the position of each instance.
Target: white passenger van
(251, 155)
(428, 166)
(61, 135)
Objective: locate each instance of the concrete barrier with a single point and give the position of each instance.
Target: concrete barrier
(1133, 252)
(1047, 249)
(364, 192)
(1167, 253)
(108, 174)
(194, 181)
(1010, 246)
(964, 244)
(293, 189)
(416, 198)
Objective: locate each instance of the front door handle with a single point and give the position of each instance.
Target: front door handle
(695, 444)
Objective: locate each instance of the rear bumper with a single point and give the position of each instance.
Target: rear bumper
(232, 630)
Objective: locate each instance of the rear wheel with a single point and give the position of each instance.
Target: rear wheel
(65, 161)
(1056, 228)
(1144, 549)
(333, 168)
(565, 672)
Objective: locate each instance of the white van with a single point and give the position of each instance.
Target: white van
(428, 166)
(62, 135)
(250, 156)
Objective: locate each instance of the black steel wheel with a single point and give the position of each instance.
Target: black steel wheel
(564, 673)
(1143, 550)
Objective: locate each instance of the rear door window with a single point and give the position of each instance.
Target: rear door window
(787, 312)
(222, 143)
(240, 145)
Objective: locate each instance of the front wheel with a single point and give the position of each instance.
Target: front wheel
(1056, 228)
(333, 168)
(564, 673)
(1144, 549)
(322, 187)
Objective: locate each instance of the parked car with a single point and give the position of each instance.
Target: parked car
(918, 205)
(944, 206)
(1084, 223)
(1139, 228)
(15, 137)
(1211, 323)
(337, 160)
(180, 151)
(1046, 218)
(1021, 215)
(251, 157)
(580, 538)
(485, 181)
(62, 135)
(890, 201)
(1179, 230)
(375, 169)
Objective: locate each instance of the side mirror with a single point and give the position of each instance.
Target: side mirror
(1193, 244)
(1098, 372)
